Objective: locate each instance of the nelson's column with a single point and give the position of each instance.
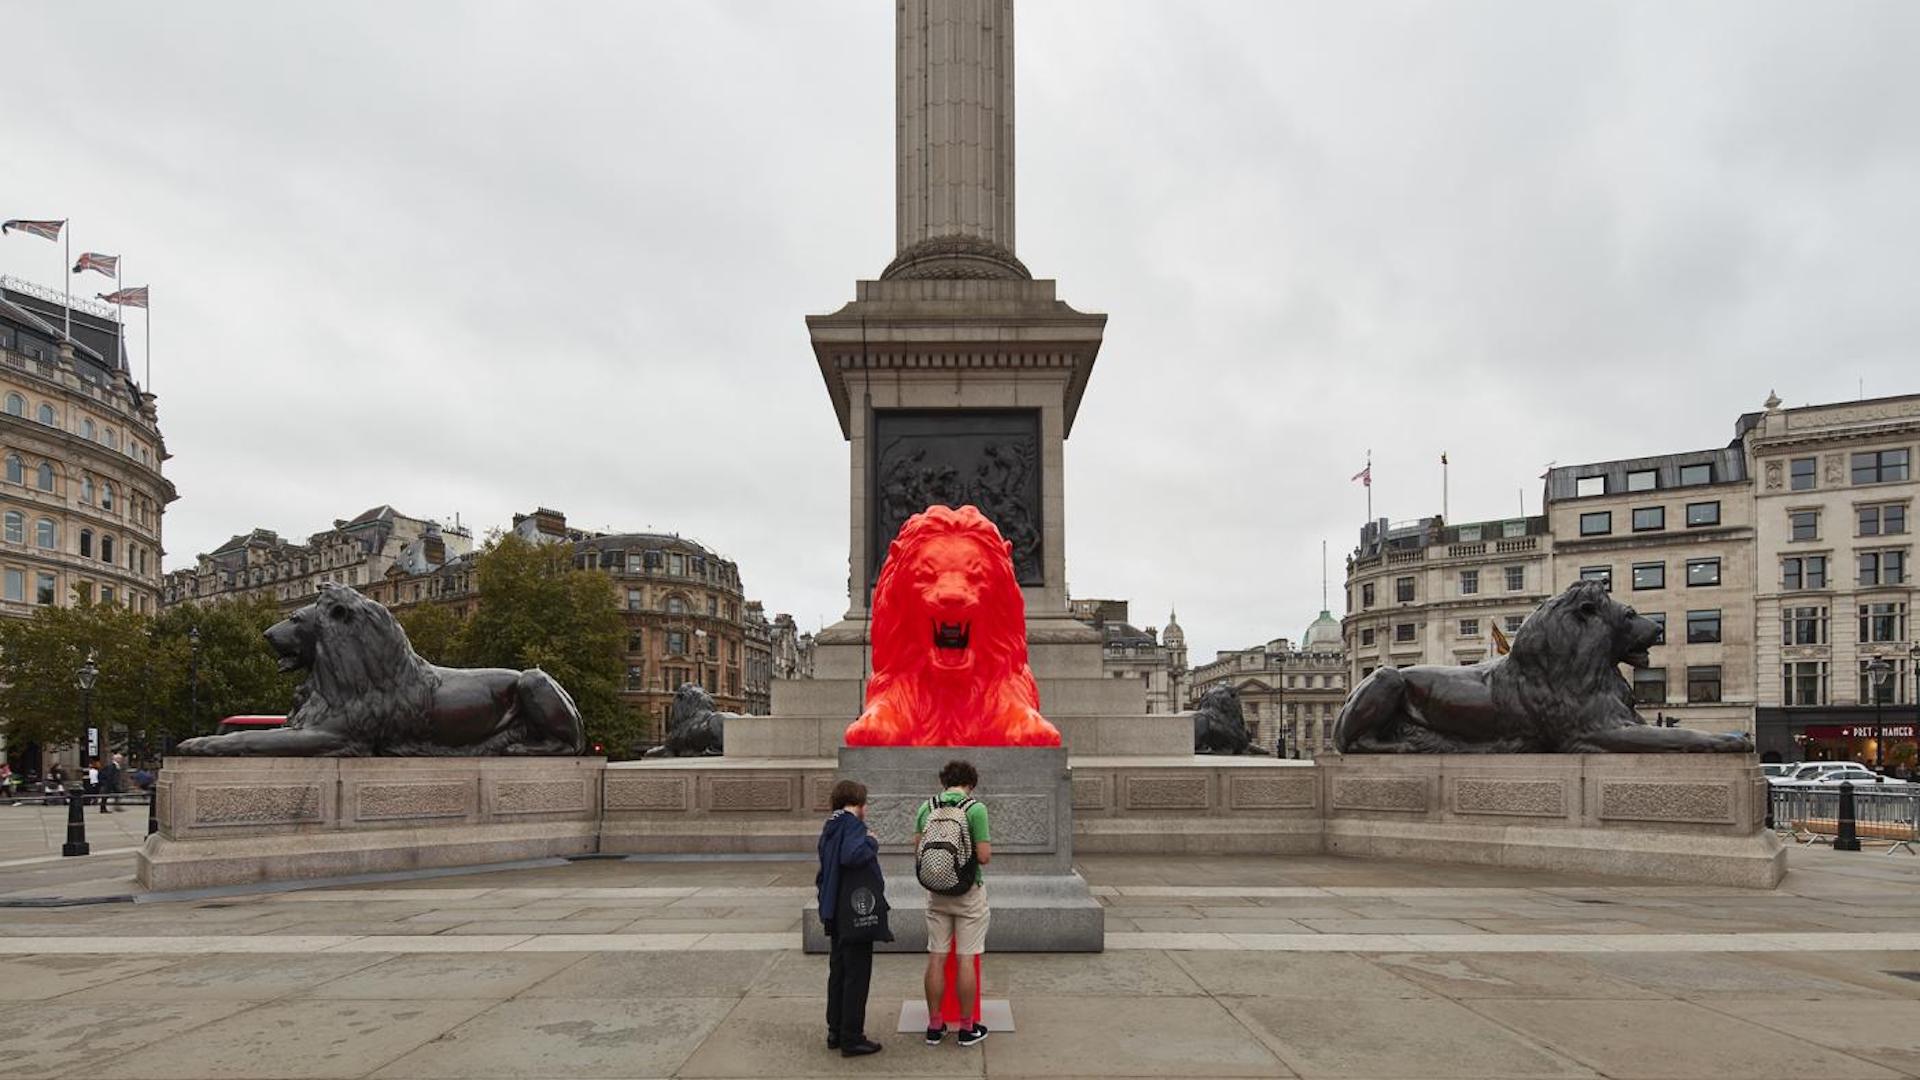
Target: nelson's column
(957, 375)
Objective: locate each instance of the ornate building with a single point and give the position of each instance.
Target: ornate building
(1158, 662)
(757, 675)
(1286, 691)
(380, 546)
(83, 492)
(792, 650)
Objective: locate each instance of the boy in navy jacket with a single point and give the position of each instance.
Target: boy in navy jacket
(849, 860)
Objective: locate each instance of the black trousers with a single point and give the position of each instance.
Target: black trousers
(849, 974)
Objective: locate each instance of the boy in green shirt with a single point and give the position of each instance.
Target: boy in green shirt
(957, 922)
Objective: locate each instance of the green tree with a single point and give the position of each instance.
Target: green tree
(40, 659)
(538, 610)
(237, 674)
(436, 632)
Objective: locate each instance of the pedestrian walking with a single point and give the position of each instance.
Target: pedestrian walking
(107, 781)
(952, 845)
(853, 911)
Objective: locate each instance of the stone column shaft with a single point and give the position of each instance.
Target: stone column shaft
(954, 120)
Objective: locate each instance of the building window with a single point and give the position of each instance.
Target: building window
(1588, 486)
(1703, 627)
(1806, 625)
(633, 599)
(106, 495)
(1469, 627)
(1601, 574)
(1469, 534)
(86, 428)
(16, 472)
(676, 605)
(677, 642)
(86, 489)
(1803, 682)
(676, 563)
(1366, 595)
(1469, 582)
(44, 477)
(713, 605)
(16, 585)
(1659, 621)
(1883, 687)
(16, 527)
(1516, 578)
(1366, 635)
(106, 550)
(1403, 590)
(1650, 686)
(1691, 475)
(43, 590)
(1884, 520)
(1703, 513)
(86, 543)
(1880, 466)
(655, 559)
(106, 594)
(1804, 472)
(1650, 575)
(1514, 622)
(1643, 480)
(1703, 685)
(46, 534)
(1403, 632)
(1803, 572)
(636, 642)
(1703, 572)
(1803, 524)
(636, 677)
(1883, 567)
(1650, 519)
(16, 405)
(1883, 623)
(1598, 523)
(46, 415)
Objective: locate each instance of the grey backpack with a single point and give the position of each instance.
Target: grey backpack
(945, 861)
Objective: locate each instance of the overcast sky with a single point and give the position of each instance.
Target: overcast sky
(477, 257)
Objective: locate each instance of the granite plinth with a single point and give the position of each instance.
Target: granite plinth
(1039, 903)
(1694, 818)
(233, 821)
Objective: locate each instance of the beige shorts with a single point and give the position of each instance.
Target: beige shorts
(958, 919)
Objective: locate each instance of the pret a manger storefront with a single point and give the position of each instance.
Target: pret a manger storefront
(1892, 744)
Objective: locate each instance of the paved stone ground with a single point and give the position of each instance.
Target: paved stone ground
(1299, 966)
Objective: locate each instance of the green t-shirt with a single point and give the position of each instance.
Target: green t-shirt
(976, 822)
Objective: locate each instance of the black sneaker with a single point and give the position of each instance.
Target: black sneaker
(934, 1035)
(975, 1034)
(861, 1048)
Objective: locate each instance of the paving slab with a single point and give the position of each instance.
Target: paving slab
(1128, 1036)
(1030, 975)
(1707, 975)
(37, 978)
(1659, 1040)
(896, 977)
(292, 1040)
(39, 1039)
(1406, 1038)
(439, 976)
(786, 1037)
(650, 975)
(1884, 1032)
(1510, 975)
(567, 1038)
(231, 978)
(1328, 976)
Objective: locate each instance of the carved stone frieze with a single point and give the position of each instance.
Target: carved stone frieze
(256, 804)
(1523, 798)
(540, 796)
(1271, 791)
(752, 793)
(387, 801)
(1165, 792)
(989, 458)
(1633, 800)
(1402, 794)
(656, 793)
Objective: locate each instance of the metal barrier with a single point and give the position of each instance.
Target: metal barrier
(1812, 813)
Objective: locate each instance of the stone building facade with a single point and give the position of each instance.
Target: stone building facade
(1157, 661)
(1432, 593)
(82, 493)
(1834, 494)
(1289, 693)
(1672, 536)
(757, 674)
(380, 546)
(792, 649)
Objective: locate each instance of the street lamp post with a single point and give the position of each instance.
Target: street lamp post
(1877, 672)
(193, 680)
(700, 658)
(76, 803)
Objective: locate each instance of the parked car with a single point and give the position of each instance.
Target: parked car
(1779, 771)
(1857, 775)
(1812, 770)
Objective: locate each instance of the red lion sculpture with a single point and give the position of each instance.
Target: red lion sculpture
(950, 641)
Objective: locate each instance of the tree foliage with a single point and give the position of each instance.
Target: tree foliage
(237, 674)
(437, 633)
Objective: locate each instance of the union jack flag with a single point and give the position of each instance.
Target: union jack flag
(1365, 476)
(93, 260)
(134, 297)
(47, 229)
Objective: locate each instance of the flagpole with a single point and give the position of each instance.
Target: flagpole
(1369, 487)
(1444, 514)
(66, 264)
(119, 315)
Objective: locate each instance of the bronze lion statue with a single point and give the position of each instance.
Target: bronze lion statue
(694, 727)
(368, 693)
(1219, 727)
(1558, 691)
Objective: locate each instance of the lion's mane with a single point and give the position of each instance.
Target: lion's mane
(1562, 671)
(366, 682)
(1001, 680)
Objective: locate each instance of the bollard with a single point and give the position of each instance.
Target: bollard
(1848, 839)
(1770, 825)
(153, 807)
(76, 825)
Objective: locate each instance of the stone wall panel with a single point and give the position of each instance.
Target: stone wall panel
(1268, 791)
(1090, 792)
(390, 801)
(258, 804)
(513, 797)
(649, 793)
(761, 794)
(1166, 792)
(1397, 794)
(1706, 803)
(1520, 798)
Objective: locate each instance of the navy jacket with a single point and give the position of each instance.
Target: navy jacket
(844, 841)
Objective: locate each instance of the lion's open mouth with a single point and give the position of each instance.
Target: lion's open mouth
(952, 635)
(290, 663)
(1639, 659)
